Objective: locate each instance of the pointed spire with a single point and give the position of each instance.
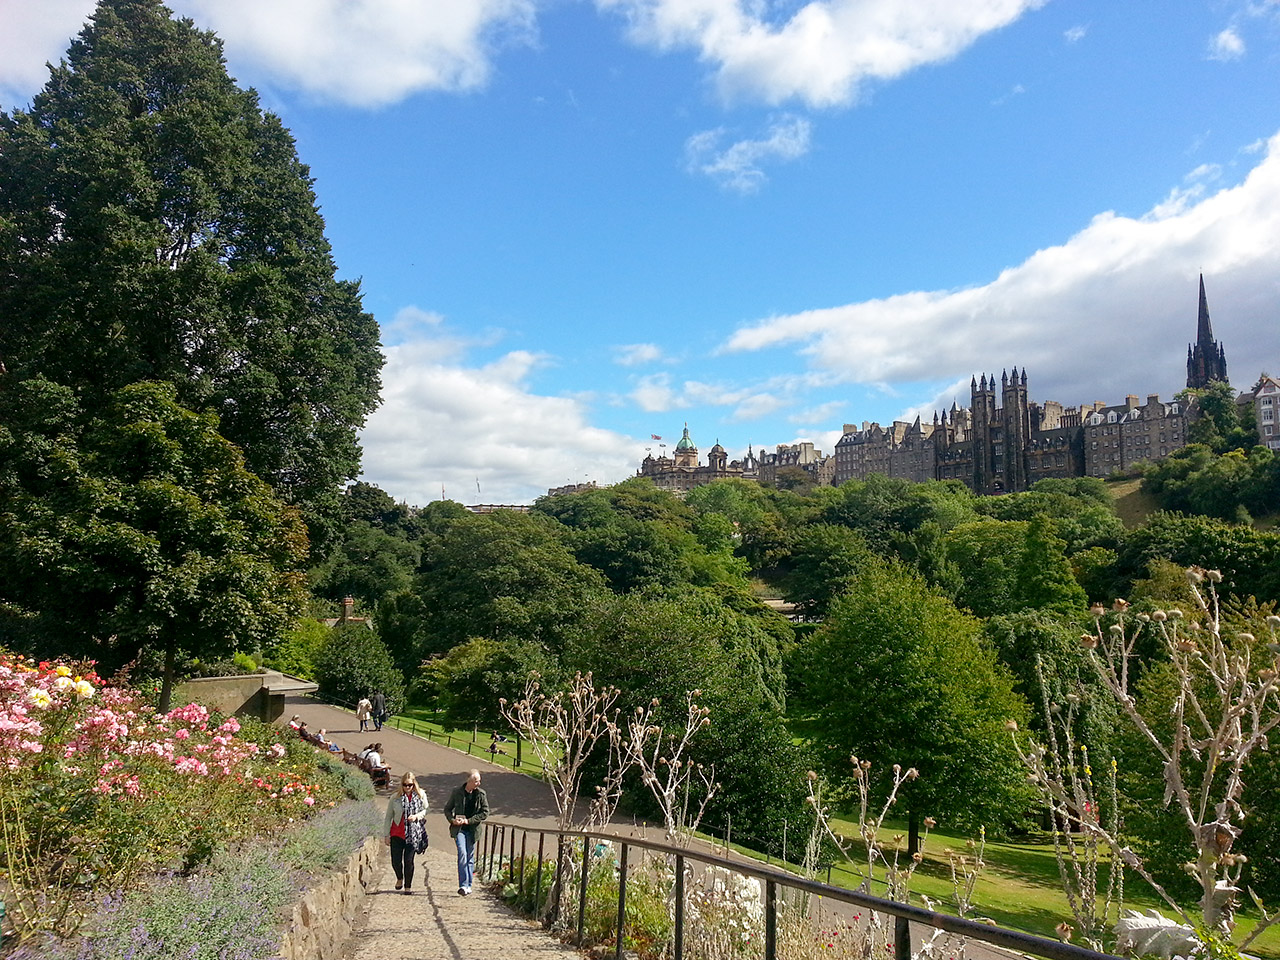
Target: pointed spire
(1004, 377)
(1024, 376)
(982, 384)
(1204, 328)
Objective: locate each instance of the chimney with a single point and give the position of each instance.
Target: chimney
(1153, 399)
(348, 609)
(1131, 401)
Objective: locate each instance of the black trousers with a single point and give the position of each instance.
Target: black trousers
(402, 860)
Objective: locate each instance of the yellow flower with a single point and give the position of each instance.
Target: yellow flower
(84, 689)
(40, 699)
(63, 671)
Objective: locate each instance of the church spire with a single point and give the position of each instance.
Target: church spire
(1204, 328)
(1206, 359)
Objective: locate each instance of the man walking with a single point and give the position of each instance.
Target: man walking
(379, 705)
(467, 808)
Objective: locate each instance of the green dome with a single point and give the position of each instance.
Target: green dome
(685, 443)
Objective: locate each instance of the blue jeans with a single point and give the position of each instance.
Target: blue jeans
(466, 841)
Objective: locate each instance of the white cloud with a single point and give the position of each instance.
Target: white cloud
(821, 413)
(1227, 45)
(757, 405)
(738, 166)
(366, 52)
(360, 52)
(823, 52)
(637, 354)
(443, 422)
(31, 35)
(1106, 313)
(654, 394)
(1016, 91)
(1075, 34)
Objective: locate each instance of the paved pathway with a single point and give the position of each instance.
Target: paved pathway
(435, 923)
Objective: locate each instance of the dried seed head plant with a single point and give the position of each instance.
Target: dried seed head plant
(1225, 705)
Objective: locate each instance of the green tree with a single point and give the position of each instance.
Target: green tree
(824, 563)
(1217, 423)
(469, 681)
(137, 530)
(502, 576)
(156, 224)
(1044, 578)
(897, 674)
(353, 663)
(367, 563)
(1249, 559)
(295, 652)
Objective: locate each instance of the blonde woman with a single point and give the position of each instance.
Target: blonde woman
(406, 831)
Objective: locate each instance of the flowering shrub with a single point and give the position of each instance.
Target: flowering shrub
(97, 786)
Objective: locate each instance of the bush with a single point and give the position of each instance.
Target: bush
(98, 787)
(353, 663)
(227, 911)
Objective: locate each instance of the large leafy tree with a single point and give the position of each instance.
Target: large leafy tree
(897, 674)
(156, 224)
(136, 531)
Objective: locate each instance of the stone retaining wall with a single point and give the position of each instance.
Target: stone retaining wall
(322, 921)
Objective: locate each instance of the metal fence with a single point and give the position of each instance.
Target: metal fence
(498, 848)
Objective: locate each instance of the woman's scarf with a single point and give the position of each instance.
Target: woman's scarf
(415, 830)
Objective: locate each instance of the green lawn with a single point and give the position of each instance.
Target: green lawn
(424, 722)
(1019, 887)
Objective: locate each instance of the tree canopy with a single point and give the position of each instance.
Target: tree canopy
(897, 674)
(137, 529)
(157, 225)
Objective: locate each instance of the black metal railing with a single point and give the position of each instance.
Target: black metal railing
(499, 847)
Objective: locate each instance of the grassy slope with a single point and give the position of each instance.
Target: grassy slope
(1019, 887)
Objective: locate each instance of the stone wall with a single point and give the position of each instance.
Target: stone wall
(322, 921)
(258, 695)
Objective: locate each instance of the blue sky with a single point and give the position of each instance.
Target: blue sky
(582, 223)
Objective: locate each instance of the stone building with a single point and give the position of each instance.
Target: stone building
(803, 455)
(1004, 442)
(999, 443)
(1265, 400)
(681, 472)
(1118, 438)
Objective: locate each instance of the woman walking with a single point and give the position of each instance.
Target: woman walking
(363, 711)
(406, 831)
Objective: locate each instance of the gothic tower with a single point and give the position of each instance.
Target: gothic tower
(1016, 420)
(1207, 360)
(983, 405)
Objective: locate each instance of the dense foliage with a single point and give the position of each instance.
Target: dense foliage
(136, 528)
(156, 224)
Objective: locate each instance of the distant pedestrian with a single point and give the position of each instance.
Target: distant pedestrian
(364, 710)
(468, 807)
(406, 829)
(379, 706)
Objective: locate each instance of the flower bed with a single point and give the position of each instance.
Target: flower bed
(99, 790)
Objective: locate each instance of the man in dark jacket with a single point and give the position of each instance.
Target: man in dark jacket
(468, 807)
(379, 710)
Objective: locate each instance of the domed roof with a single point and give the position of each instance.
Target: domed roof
(685, 443)
(718, 449)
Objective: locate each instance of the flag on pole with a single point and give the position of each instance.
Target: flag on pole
(654, 436)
